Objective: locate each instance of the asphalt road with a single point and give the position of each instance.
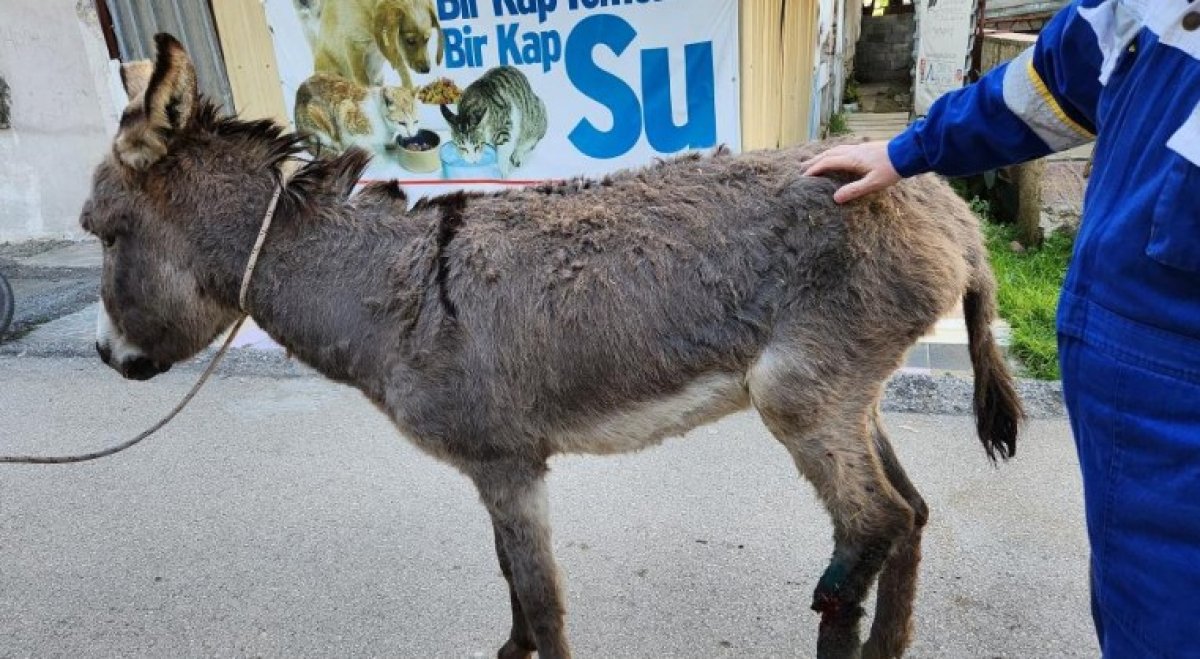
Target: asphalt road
(284, 517)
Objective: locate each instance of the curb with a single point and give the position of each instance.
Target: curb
(952, 394)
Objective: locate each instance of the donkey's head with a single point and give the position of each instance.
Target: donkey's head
(162, 203)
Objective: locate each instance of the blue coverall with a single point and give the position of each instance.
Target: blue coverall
(1127, 74)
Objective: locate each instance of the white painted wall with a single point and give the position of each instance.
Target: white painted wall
(824, 63)
(53, 56)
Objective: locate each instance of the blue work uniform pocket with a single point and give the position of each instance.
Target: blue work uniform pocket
(1150, 586)
(1175, 232)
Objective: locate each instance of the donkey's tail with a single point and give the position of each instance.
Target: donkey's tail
(998, 412)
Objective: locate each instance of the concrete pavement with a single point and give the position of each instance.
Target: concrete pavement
(284, 517)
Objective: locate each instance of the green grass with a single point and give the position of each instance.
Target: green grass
(838, 125)
(1029, 284)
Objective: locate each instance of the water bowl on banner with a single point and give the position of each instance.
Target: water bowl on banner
(454, 167)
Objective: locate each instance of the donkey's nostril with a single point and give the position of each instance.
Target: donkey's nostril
(104, 352)
(141, 368)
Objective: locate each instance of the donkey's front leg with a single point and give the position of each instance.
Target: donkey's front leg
(515, 496)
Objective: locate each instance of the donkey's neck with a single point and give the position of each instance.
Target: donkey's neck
(320, 289)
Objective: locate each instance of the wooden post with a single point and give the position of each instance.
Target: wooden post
(1027, 179)
(250, 59)
(977, 43)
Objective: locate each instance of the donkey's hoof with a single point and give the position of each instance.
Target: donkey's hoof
(514, 650)
(874, 649)
(837, 637)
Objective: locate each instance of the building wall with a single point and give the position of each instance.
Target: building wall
(62, 114)
(885, 49)
(839, 25)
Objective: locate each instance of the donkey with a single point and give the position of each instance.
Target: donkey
(498, 330)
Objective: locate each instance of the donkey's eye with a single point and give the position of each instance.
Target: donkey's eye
(108, 240)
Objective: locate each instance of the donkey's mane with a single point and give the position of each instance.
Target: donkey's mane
(313, 184)
(275, 143)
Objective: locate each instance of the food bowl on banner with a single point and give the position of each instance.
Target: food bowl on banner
(419, 153)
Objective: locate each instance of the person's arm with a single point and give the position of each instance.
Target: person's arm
(1042, 101)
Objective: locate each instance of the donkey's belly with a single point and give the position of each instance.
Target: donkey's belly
(648, 422)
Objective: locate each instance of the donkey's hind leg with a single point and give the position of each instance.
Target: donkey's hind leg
(834, 449)
(520, 643)
(515, 496)
(891, 630)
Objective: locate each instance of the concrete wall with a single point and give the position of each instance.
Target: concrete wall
(53, 57)
(885, 49)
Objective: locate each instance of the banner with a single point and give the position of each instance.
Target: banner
(483, 93)
(944, 29)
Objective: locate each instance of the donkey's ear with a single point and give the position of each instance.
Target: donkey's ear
(135, 77)
(166, 106)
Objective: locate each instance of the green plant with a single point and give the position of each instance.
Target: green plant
(838, 125)
(850, 93)
(982, 208)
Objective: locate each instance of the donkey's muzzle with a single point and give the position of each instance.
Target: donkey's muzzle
(136, 368)
(141, 368)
